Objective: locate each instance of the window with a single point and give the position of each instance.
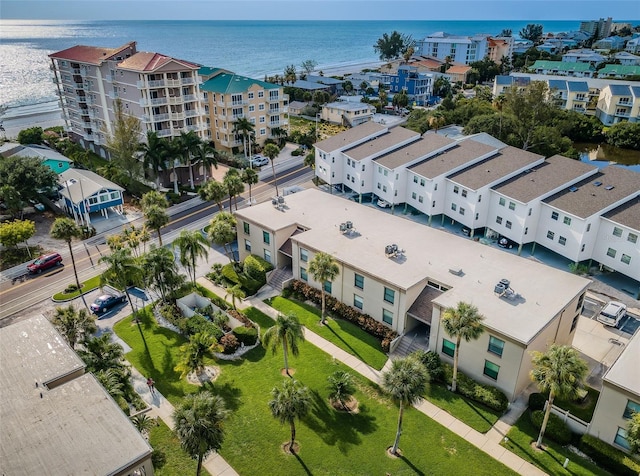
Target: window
(327, 287)
(266, 237)
(420, 199)
(551, 235)
(415, 179)
(621, 438)
(508, 224)
(357, 302)
(454, 207)
(304, 255)
(479, 198)
(461, 211)
(456, 189)
(632, 237)
(247, 245)
(477, 216)
(267, 256)
(389, 295)
(632, 407)
(529, 213)
(574, 323)
(499, 220)
(567, 221)
(502, 202)
(448, 347)
(358, 281)
(303, 274)
(611, 253)
(512, 206)
(491, 370)
(384, 188)
(626, 259)
(526, 230)
(250, 95)
(582, 247)
(562, 240)
(413, 195)
(464, 193)
(588, 227)
(387, 317)
(247, 230)
(554, 216)
(422, 182)
(496, 346)
(617, 231)
(435, 186)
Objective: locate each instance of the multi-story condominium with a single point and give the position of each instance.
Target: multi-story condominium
(561, 68)
(618, 103)
(490, 188)
(460, 49)
(570, 95)
(619, 398)
(599, 28)
(347, 113)
(56, 418)
(229, 97)
(610, 43)
(583, 56)
(161, 91)
(633, 46)
(404, 274)
(499, 47)
(619, 71)
(419, 86)
(502, 82)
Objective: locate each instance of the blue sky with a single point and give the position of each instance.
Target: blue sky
(320, 9)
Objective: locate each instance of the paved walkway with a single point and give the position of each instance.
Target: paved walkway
(489, 442)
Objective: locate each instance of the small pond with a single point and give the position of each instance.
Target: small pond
(602, 155)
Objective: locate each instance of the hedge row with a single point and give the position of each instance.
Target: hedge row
(246, 335)
(478, 392)
(537, 401)
(249, 285)
(346, 312)
(610, 458)
(188, 327)
(556, 430)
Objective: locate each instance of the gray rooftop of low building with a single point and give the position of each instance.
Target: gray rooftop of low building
(627, 214)
(348, 137)
(624, 371)
(464, 152)
(381, 143)
(423, 147)
(578, 86)
(543, 178)
(349, 106)
(324, 79)
(601, 190)
(620, 90)
(73, 428)
(558, 84)
(506, 162)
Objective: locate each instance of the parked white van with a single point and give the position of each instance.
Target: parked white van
(611, 313)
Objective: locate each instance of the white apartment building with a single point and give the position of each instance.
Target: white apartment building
(465, 49)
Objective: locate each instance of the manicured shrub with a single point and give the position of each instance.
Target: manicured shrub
(433, 364)
(229, 274)
(253, 269)
(264, 264)
(487, 395)
(296, 152)
(536, 401)
(229, 343)
(71, 288)
(199, 323)
(246, 335)
(556, 430)
(609, 457)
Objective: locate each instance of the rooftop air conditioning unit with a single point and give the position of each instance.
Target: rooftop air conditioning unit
(343, 227)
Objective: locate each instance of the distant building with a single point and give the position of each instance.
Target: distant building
(503, 82)
(610, 43)
(460, 49)
(619, 71)
(419, 86)
(458, 73)
(296, 107)
(347, 113)
(619, 103)
(335, 86)
(57, 419)
(597, 28)
(583, 56)
(561, 68)
(633, 46)
(570, 95)
(49, 157)
(627, 59)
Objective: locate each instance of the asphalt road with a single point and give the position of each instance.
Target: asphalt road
(18, 294)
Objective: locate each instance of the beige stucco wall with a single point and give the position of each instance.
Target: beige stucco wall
(607, 417)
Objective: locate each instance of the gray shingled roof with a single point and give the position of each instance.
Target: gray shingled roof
(464, 152)
(381, 143)
(543, 178)
(627, 214)
(346, 138)
(620, 90)
(425, 146)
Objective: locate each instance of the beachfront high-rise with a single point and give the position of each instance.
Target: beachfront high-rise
(161, 91)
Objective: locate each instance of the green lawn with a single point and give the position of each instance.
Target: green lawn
(259, 317)
(475, 415)
(330, 442)
(177, 462)
(521, 436)
(88, 285)
(344, 334)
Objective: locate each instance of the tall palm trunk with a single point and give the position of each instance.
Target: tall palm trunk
(322, 319)
(175, 178)
(293, 435)
(199, 468)
(286, 356)
(190, 173)
(545, 420)
(159, 237)
(454, 380)
(275, 180)
(394, 450)
(75, 272)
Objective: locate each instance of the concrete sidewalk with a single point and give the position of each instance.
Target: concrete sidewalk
(489, 442)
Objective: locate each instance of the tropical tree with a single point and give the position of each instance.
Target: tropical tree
(272, 151)
(392, 46)
(243, 126)
(308, 66)
(161, 271)
(559, 371)
(75, 326)
(441, 86)
(348, 87)
(233, 182)
(122, 271)
(222, 231)
(192, 245)
(156, 217)
(110, 380)
(199, 423)
(100, 353)
(400, 100)
(190, 145)
(143, 423)
(406, 381)
(193, 353)
(207, 155)
(22, 178)
(436, 120)
(289, 402)
(250, 177)
(155, 155)
(341, 387)
(290, 74)
(505, 33)
(633, 432)
(235, 292)
(154, 197)
(174, 153)
(461, 322)
(66, 229)
(124, 141)
(323, 268)
(215, 191)
(16, 231)
(532, 32)
(363, 86)
(280, 135)
(288, 333)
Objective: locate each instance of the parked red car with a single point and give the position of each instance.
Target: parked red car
(44, 262)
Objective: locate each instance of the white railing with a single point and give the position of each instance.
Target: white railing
(164, 133)
(191, 113)
(158, 101)
(160, 117)
(173, 83)
(186, 81)
(175, 100)
(573, 422)
(177, 116)
(190, 97)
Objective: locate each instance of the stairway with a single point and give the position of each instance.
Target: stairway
(409, 344)
(278, 277)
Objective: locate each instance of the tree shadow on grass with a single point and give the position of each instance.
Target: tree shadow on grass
(255, 355)
(524, 426)
(439, 393)
(302, 463)
(229, 393)
(408, 462)
(341, 429)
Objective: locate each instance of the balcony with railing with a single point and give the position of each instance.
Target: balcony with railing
(76, 71)
(624, 102)
(235, 117)
(164, 133)
(274, 110)
(239, 102)
(175, 100)
(271, 99)
(81, 99)
(158, 101)
(187, 81)
(177, 116)
(191, 113)
(108, 78)
(622, 113)
(113, 95)
(190, 97)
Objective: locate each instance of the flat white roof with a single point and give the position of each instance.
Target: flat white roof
(430, 254)
(624, 372)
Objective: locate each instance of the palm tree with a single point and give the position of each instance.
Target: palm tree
(155, 154)
(161, 271)
(287, 332)
(436, 120)
(75, 326)
(559, 371)
(222, 231)
(194, 352)
(323, 268)
(235, 292)
(215, 191)
(406, 382)
(156, 217)
(250, 177)
(290, 401)
(110, 380)
(633, 432)
(461, 322)
(233, 181)
(363, 87)
(208, 155)
(154, 198)
(341, 387)
(192, 245)
(123, 271)
(244, 127)
(174, 152)
(66, 229)
(143, 423)
(189, 145)
(100, 353)
(199, 423)
(272, 151)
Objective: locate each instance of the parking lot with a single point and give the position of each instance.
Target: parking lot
(628, 325)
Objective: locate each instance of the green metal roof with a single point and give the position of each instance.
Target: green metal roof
(229, 83)
(208, 70)
(619, 69)
(562, 66)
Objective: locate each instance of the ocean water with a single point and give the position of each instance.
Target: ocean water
(252, 48)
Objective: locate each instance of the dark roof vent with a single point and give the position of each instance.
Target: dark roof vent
(597, 183)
